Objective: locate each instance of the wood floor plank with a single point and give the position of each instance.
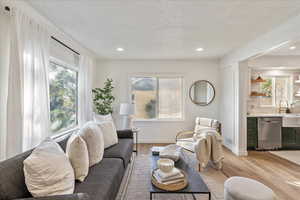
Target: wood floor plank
(282, 176)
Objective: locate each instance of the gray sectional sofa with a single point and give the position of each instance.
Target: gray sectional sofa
(102, 182)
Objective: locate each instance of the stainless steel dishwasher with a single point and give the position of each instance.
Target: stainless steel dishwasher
(269, 133)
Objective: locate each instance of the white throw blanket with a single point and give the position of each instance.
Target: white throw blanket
(209, 147)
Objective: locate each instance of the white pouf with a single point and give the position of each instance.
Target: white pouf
(240, 188)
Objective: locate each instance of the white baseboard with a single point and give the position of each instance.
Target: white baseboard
(242, 153)
(239, 152)
(230, 147)
(234, 150)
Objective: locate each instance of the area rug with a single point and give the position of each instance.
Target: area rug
(137, 179)
(292, 155)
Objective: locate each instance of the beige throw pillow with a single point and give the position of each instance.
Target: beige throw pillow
(109, 133)
(48, 171)
(92, 135)
(104, 118)
(79, 156)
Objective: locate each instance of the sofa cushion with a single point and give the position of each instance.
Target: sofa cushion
(109, 133)
(104, 118)
(78, 154)
(122, 150)
(103, 180)
(48, 170)
(93, 136)
(12, 182)
(125, 133)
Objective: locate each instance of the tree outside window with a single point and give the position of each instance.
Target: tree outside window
(276, 89)
(157, 97)
(63, 84)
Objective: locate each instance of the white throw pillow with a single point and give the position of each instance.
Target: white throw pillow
(92, 135)
(104, 118)
(110, 135)
(48, 171)
(79, 156)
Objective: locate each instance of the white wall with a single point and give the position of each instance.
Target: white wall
(161, 132)
(288, 31)
(228, 96)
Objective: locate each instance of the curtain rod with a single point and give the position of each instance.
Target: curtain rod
(57, 40)
(63, 44)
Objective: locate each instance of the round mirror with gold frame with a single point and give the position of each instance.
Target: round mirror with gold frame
(202, 92)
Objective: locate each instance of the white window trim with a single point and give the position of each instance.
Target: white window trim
(160, 75)
(273, 94)
(76, 126)
(290, 95)
(63, 64)
(64, 133)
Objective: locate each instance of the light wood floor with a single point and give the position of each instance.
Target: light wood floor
(282, 176)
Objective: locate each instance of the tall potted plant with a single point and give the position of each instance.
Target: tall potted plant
(103, 98)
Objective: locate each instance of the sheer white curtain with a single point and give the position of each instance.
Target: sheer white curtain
(85, 105)
(4, 63)
(28, 93)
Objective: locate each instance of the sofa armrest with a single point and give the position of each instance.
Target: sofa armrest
(125, 133)
(77, 196)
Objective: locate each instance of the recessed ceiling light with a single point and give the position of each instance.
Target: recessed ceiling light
(199, 49)
(293, 47)
(120, 49)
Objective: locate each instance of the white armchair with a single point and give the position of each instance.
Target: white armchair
(190, 140)
(186, 139)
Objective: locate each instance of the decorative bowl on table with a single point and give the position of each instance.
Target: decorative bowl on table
(165, 165)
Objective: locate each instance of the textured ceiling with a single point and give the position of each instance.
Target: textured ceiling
(165, 29)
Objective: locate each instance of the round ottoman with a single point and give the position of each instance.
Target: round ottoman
(240, 188)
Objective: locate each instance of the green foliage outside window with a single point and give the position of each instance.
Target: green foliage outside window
(63, 97)
(267, 87)
(151, 108)
(103, 98)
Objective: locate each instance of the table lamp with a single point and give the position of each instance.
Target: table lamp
(126, 110)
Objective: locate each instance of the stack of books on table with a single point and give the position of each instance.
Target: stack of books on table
(174, 176)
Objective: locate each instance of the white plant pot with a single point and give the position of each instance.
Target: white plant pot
(101, 118)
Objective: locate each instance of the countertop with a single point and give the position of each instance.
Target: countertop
(274, 115)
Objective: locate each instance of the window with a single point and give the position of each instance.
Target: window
(63, 83)
(277, 90)
(157, 98)
(267, 88)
